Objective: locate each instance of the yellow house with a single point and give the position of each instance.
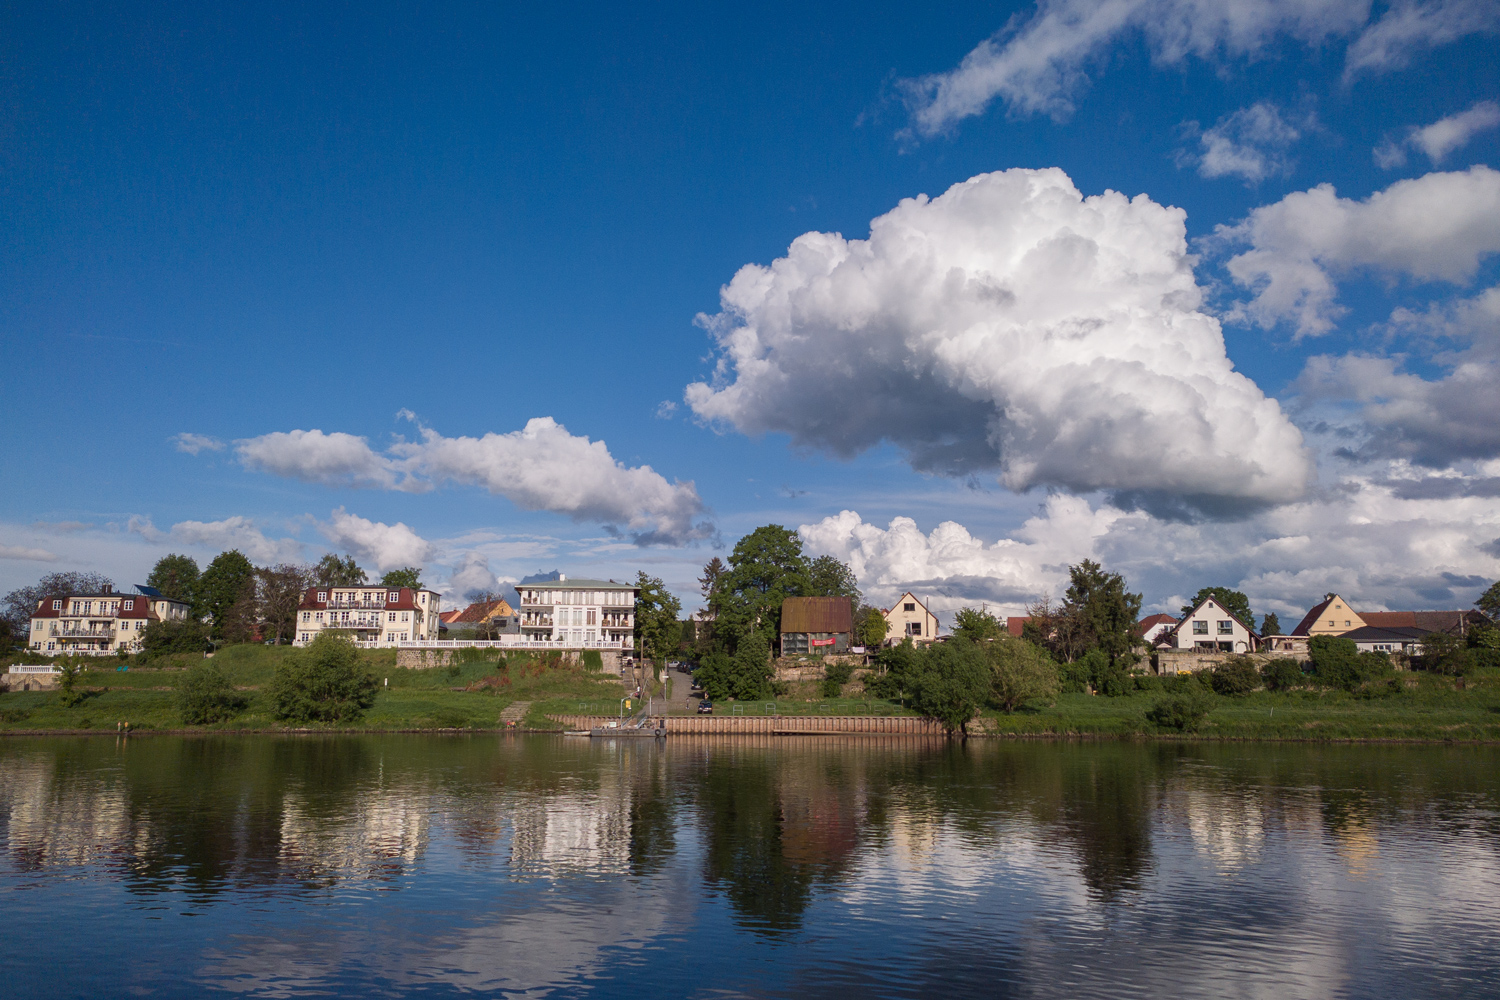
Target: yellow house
(1332, 617)
(909, 617)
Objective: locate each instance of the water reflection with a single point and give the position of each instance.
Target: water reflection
(528, 864)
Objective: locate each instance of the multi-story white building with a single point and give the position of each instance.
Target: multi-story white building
(102, 623)
(579, 613)
(372, 615)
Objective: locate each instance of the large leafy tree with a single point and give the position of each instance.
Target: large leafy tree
(828, 577)
(1232, 601)
(221, 595)
(953, 684)
(279, 591)
(871, 627)
(1019, 672)
(406, 576)
(20, 604)
(1271, 625)
(325, 682)
(976, 624)
(1489, 601)
(1105, 608)
(766, 567)
(331, 571)
(175, 576)
(656, 611)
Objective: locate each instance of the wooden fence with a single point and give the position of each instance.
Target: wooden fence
(774, 725)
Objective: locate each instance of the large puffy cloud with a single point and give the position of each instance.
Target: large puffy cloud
(1038, 64)
(1399, 414)
(540, 467)
(1432, 228)
(388, 546)
(1383, 538)
(1009, 324)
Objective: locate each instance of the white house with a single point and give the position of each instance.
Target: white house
(909, 618)
(96, 624)
(1153, 627)
(579, 613)
(1212, 628)
(371, 614)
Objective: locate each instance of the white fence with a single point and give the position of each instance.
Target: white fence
(33, 668)
(512, 642)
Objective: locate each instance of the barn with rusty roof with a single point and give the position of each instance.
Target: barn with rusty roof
(816, 625)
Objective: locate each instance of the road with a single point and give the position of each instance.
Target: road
(682, 684)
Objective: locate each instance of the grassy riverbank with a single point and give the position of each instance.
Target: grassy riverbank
(472, 696)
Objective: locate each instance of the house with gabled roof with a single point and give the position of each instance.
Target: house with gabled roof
(110, 621)
(1210, 627)
(1333, 616)
(910, 619)
(1152, 627)
(816, 625)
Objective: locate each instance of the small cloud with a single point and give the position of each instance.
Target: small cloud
(1442, 137)
(793, 494)
(195, 443)
(26, 554)
(1251, 143)
(405, 414)
(665, 409)
(61, 527)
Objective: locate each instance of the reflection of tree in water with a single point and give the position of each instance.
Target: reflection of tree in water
(1107, 803)
(652, 825)
(777, 825)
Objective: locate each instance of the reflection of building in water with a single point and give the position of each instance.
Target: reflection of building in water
(60, 822)
(913, 835)
(1230, 829)
(574, 831)
(384, 830)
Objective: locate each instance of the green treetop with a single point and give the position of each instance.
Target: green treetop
(656, 611)
(765, 568)
(331, 571)
(976, 624)
(1232, 601)
(223, 585)
(1101, 604)
(175, 576)
(1489, 601)
(1271, 625)
(406, 576)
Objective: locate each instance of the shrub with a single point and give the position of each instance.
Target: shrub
(1446, 654)
(323, 682)
(1235, 676)
(896, 670)
(205, 695)
(1019, 672)
(1181, 712)
(1148, 682)
(592, 661)
(1335, 661)
(165, 638)
(835, 676)
(1281, 674)
(69, 671)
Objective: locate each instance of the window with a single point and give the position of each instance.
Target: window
(390, 616)
(392, 597)
(1226, 628)
(1346, 624)
(322, 595)
(1200, 628)
(319, 616)
(307, 616)
(908, 607)
(591, 617)
(130, 605)
(37, 625)
(390, 637)
(304, 636)
(405, 616)
(57, 605)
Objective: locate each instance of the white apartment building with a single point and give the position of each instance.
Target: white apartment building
(372, 615)
(579, 613)
(99, 624)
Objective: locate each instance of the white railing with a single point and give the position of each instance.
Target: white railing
(84, 633)
(515, 642)
(34, 668)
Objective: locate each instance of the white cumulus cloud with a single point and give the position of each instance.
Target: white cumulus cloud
(387, 546)
(1009, 324)
(540, 467)
(1251, 143)
(217, 536)
(1437, 227)
(1442, 137)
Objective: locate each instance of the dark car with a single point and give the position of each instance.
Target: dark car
(705, 707)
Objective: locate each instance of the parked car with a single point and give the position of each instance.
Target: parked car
(705, 707)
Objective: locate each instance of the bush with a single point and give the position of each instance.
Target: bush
(165, 638)
(323, 682)
(1148, 682)
(1446, 654)
(205, 695)
(896, 670)
(1078, 676)
(69, 671)
(1335, 661)
(1235, 676)
(1181, 712)
(592, 661)
(1019, 672)
(835, 676)
(1281, 674)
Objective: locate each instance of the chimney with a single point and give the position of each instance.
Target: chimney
(109, 588)
(562, 578)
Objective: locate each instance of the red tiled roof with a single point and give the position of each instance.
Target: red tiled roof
(1146, 623)
(1312, 616)
(1015, 625)
(481, 610)
(817, 614)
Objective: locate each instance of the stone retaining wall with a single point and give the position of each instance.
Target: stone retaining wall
(1190, 661)
(774, 725)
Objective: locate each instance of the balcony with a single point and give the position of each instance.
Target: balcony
(358, 623)
(83, 633)
(356, 605)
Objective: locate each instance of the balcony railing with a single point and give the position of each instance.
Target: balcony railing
(84, 633)
(358, 623)
(356, 605)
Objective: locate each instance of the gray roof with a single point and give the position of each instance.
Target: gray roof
(578, 584)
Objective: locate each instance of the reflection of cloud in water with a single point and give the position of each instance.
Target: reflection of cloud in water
(387, 830)
(53, 821)
(1228, 829)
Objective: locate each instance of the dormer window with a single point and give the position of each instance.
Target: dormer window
(129, 605)
(392, 597)
(57, 605)
(322, 595)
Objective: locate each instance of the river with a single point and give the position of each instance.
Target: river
(375, 866)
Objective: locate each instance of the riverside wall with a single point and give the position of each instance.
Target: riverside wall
(773, 725)
(1190, 661)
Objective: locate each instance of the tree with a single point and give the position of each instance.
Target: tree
(181, 636)
(1235, 676)
(69, 673)
(225, 596)
(21, 603)
(871, 627)
(828, 577)
(1336, 661)
(279, 591)
(765, 568)
(205, 695)
(656, 611)
(406, 576)
(953, 684)
(976, 624)
(745, 676)
(708, 583)
(1233, 601)
(175, 576)
(1105, 609)
(1445, 654)
(1489, 601)
(1061, 630)
(323, 682)
(331, 571)
(1019, 672)
(1271, 625)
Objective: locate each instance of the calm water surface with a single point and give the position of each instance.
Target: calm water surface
(415, 866)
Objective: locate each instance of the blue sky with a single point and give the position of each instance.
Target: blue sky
(388, 224)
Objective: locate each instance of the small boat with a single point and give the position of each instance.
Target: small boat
(577, 732)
